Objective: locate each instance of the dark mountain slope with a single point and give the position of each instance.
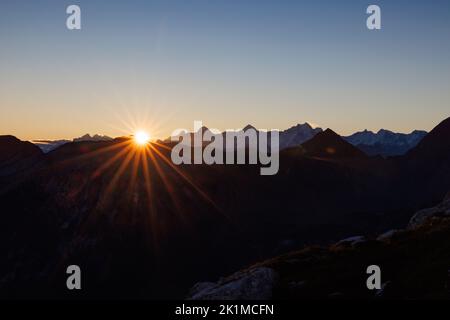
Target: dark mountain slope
(426, 168)
(15, 151)
(297, 135)
(17, 160)
(328, 144)
(435, 144)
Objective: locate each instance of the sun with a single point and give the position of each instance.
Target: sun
(141, 138)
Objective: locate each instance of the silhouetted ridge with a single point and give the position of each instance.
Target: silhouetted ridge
(11, 147)
(96, 137)
(17, 159)
(435, 143)
(248, 127)
(329, 144)
(73, 149)
(385, 143)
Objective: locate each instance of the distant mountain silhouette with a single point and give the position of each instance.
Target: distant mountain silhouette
(385, 142)
(248, 127)
(296, 135)
(96, 137)
(293, 136)
(48, 145)
(328, 144)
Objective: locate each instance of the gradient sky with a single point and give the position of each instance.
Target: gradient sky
(163, 64)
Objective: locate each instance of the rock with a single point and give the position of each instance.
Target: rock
(441, 210)
(387, 235)
(351, 241)
(255, 284)
(201, 286)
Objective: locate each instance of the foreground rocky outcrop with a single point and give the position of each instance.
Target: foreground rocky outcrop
(253, 284)
(441, 210)
(414, 263)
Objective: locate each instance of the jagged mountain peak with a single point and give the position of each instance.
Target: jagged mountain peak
(385, 142)
(248, 127)
(304, 125)
(296, 135)
(384, 131)
(95, 137)
(329, 144)
(330, 132)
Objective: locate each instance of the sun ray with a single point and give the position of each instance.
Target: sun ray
(186, 178)
(167, 185)
(161, 145)
(117, 175)
(134, 171)
(96, 152)
(110, 161)
(151, 224)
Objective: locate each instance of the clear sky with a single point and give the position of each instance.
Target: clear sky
(164, 64)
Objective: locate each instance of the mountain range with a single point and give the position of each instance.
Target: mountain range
(384, 143)
(296, 135)
(49, 145)
(141, 227)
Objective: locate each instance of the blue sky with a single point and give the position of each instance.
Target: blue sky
(164, 64)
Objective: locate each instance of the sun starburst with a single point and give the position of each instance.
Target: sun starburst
(141, 138)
